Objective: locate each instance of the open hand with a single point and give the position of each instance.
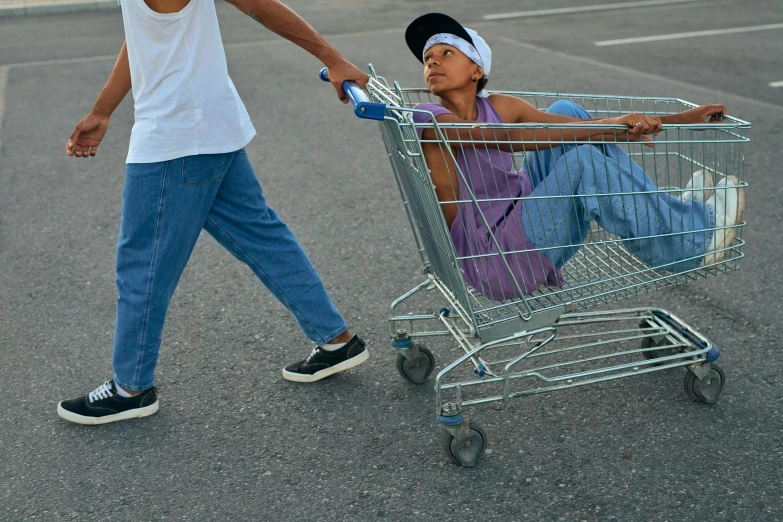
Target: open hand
(87, 136)
(343, 71)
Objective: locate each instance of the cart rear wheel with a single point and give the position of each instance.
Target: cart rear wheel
(705, 390)
(661, 347)
(467, 451)
(416, 370)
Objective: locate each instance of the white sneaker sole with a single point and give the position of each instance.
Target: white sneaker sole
(337, 368)
(130, 414)
(712, 260)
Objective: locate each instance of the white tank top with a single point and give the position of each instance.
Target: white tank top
(185, 102)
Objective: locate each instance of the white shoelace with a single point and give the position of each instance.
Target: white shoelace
(313, 354)
(101, 392)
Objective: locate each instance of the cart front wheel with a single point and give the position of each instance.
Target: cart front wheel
(467, 451)
(416, 370)
(705, 390)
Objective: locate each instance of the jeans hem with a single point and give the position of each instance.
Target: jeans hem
(331, 336)
(132, 388)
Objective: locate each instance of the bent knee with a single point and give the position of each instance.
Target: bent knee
(568, 108)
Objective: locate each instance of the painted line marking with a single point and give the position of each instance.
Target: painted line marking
(584, 9)
(641, 74)
(596, 63)
(229, 46)
(17, 5)
(694, 34)
(3, 83)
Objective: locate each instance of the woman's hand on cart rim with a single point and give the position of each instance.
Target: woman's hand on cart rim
(345, 71)
(710, 113)
(639, 126)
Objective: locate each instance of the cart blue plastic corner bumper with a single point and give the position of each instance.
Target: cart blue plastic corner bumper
(454, 420)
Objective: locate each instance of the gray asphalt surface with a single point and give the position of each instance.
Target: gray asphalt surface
(233, 441)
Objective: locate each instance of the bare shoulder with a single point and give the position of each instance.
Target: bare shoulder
(510, 108)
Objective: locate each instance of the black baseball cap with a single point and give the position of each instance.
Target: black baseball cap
(426, 26)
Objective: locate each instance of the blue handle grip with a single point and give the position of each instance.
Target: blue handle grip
(362, 106)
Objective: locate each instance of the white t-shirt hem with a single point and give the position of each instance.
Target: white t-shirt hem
(168, 156)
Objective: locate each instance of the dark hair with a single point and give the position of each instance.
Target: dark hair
(481, 84)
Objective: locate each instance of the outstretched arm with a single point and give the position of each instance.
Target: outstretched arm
(509, 139)
(711, 113)
(518, 110)
(282, 20)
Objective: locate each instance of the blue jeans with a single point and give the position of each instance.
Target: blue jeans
(657, 228)
(164, 207)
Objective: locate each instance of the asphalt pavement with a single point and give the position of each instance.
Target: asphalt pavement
(233, 440)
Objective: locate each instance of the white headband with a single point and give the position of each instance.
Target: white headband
(480, 53)
(455, 41)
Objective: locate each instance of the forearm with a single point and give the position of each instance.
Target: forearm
(282, 20)
(522, 140)
(116, 88)
(678, 119)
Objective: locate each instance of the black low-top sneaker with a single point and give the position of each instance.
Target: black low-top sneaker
(105, 405)
(323, 363)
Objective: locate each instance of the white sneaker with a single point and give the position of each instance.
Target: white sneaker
(698, 181)
(729, 206)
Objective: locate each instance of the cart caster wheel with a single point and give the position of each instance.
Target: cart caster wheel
(467, 451)
(416, 370)
(705, 390)
(661, 351)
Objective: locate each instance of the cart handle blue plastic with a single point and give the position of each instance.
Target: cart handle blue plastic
(362, 106)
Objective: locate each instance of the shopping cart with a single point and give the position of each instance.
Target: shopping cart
(546, 340)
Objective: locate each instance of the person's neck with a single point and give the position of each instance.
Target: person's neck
(461, 104)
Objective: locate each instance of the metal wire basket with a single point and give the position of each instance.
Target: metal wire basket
(530, 340)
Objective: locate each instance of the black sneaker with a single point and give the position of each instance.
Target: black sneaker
(105, 405)
(322, 363)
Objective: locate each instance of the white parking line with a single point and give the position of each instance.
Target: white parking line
(584, 9)
(694, 34)
(640, 74)
(776, 84)
(3, 82)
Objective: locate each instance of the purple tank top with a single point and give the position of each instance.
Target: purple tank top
(491, 175)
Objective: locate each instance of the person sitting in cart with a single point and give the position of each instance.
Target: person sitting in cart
(519, 213)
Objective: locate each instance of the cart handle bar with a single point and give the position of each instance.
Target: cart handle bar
(362, 106)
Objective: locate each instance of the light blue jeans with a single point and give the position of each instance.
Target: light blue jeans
(657, 228)
(165, 205)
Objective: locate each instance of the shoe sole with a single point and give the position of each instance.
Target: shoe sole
(125, 415)
(730, 233)
(337, 368)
